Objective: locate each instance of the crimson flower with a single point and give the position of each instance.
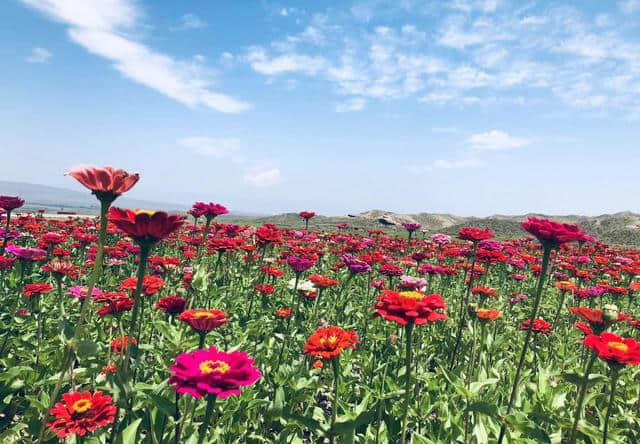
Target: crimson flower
(171, 304)
(145, 227)
(10, 203)
(121, 343)
(551, 234)
(306, 214)
(208, 210)
(81, 413)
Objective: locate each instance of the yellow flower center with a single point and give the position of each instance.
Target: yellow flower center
(620, 346)
(411, 294)
(147, 212)
(81, 405)
(209, 366)
(203, 314)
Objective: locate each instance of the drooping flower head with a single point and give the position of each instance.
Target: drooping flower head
(410, 307)
(145, 227)
(614, 349)
(80, 413)
(211, 371)
(105, 182)
(551, 234)
(204, 320)
(171, 304)
(10, 203)
(328, 343)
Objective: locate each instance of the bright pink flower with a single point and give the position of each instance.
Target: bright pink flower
(211, 371)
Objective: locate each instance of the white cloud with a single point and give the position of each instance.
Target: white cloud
(355, 104)
(284, 63)
(214, 147)
(457, 164)
(39, 55)
(496, 140)
(189, 21)
(629, 6)
(261, 178)
(99, 27)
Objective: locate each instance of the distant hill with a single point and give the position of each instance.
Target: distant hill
(55, 199)
(614, 229)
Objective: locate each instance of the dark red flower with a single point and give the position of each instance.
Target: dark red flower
(208, 210)
(145, 226)
(119, 344)
(171, 304)
(10, 203)
(307, 214)
(551, 234)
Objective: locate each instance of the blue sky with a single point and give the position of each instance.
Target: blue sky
(472, 107)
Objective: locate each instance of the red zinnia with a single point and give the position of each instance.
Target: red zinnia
(614, 349)
(121, 343)
(328, 343)
(410, 306)
(209, 210)
(204, 320)
(539, 326)
(283, 313)
(322, 281)
(306, 214)
(81, 413)
(171, 304)
(145, 226)
(475, 234)
(551, 233)
(31, 289)
(150, 284)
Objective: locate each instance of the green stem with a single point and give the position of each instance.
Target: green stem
(527, 339)
(202, 431)
(145, 249)
(581, 395)
(614, 381)
(407, 381)
(334, 411)
(95, 275)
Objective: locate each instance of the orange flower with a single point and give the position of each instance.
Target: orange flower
(328, 343)
(488, 314)
(565, 285)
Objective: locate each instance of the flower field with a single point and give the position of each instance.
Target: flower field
(141, 326)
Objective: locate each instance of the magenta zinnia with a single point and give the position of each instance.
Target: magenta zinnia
(211, 371)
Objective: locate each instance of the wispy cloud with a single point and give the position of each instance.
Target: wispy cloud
(262, 177)
(285, 63)
(189, 21)
(496, 140)
(101, 27)
(443, 164)
(39, 55)
(355, 104)
(208, 146)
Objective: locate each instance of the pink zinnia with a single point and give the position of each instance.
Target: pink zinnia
(211, 371)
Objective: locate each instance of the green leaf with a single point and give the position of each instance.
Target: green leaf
(129, 434)
(86, 348)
